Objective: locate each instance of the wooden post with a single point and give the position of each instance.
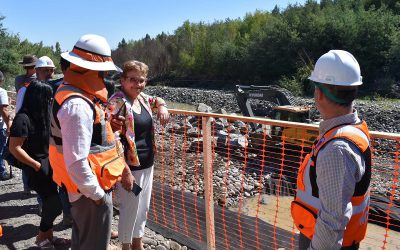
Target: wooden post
(208, 182)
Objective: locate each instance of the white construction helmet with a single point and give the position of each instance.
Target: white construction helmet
(44, 62)
(91, 52)
(337, 67)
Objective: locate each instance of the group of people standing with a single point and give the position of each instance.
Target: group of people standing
(80, 140)
(71, 136)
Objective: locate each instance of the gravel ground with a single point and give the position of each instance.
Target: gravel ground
(19, 216)
(20, 221)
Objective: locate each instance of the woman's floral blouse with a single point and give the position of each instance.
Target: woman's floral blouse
(119, 102)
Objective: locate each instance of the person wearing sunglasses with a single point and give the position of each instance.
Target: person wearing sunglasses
(137, 136)
(82, 149)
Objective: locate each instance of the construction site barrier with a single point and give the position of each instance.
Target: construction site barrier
(220, 184)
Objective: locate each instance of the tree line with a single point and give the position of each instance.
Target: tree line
(12, 50)
(277, 47)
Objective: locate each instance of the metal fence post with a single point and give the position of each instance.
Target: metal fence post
(208, 182)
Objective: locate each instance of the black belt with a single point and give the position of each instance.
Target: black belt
(109, 190)
(135, 168)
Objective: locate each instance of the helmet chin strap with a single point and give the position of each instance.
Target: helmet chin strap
(328, 94)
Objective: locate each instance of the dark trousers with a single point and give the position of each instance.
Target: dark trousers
(66, 205)
(51, 208)
(46, 189)
(304, 243)
(91, 228)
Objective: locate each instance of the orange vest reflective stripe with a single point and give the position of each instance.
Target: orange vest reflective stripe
(306, 205)
(104, 158)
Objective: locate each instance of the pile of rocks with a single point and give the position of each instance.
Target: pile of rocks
(233, 177)
(381, 115)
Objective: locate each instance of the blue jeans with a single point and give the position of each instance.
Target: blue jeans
(3, 144)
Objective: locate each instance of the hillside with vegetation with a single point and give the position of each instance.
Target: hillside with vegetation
(12, 50)
(277, 47)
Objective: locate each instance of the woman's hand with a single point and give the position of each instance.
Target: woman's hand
(163, 115)
(127, 179)
(117, 123)
(36, 166)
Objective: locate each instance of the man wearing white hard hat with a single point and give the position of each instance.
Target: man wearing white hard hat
(44, 68)
(83, 153)
(332, 198)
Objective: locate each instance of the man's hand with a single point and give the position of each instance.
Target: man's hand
(100, 201)
(163, 115)
(117, 122)
(127, 179)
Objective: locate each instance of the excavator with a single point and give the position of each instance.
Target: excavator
(286, 109)
(291, 143)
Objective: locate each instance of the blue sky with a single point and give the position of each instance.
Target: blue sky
(65, 21)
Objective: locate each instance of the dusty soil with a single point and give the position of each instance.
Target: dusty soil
(19, 216)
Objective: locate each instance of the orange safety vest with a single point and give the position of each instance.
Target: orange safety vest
(104, 157)
(306, 205)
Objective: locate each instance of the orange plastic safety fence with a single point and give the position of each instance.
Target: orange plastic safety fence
(254, 180)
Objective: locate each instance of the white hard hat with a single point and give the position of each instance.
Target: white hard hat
(337, 67)
(44, 61)
(91, 52)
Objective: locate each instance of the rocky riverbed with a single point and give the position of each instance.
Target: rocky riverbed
(231, 182)
(381, 115)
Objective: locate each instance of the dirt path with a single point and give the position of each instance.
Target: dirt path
(19, 216)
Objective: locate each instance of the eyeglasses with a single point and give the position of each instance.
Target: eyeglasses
(136, 79)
